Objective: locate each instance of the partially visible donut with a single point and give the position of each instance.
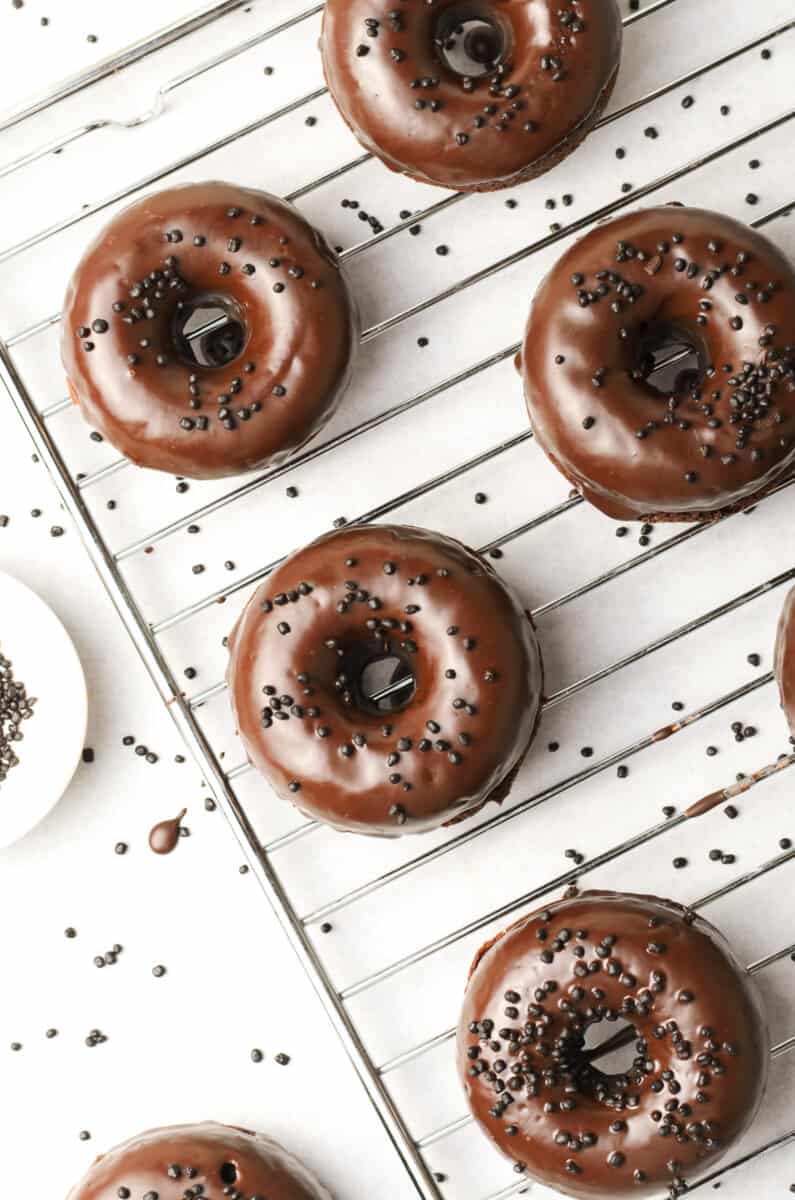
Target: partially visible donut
(280, 341)
(406, 615)
(714, 429)
(785, 660)
(471, 95)
(201, 1161)
(698, 1068)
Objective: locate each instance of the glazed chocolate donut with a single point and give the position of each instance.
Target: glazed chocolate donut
(785, 660)
(471, 94)
(659, 365)
(208, 331)
(700, 1057)
(385, 681)
(206, 1161)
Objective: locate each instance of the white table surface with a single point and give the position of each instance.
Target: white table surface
(178, 1047)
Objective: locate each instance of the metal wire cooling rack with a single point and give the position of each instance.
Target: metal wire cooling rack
(629, 625)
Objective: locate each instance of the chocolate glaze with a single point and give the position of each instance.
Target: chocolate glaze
(407, 106)
(696, 1011)
(299, 346)
(458, 741)
(785, 660)
(216, 1156)
(164, 837)
(587, 410)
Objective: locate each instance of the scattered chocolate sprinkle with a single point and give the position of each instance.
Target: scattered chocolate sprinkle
(16, 707)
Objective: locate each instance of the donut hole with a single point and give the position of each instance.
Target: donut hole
(611, 1054)
(209, 330)
(471, 40)
(378, 678)
(228, 1173)
(669, 359)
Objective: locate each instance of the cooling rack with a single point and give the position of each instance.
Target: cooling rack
(680, 616)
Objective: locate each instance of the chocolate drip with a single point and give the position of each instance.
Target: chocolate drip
(164, 837)
(707, 803)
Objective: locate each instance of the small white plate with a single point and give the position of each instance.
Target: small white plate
(45, 661)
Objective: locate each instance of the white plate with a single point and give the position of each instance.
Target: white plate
(46, 661)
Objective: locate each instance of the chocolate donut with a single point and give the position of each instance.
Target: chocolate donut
(208, 331)
(700, 1058)
(206, 1161)
(659, 365)
(785, 660)
(471, 94)
(385, 681)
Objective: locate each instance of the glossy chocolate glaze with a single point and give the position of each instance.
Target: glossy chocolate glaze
(667, 972)
(497, 130)
(218, 1157)
(785, 660)
(460, 738)
(301, 331)
(589, 423)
